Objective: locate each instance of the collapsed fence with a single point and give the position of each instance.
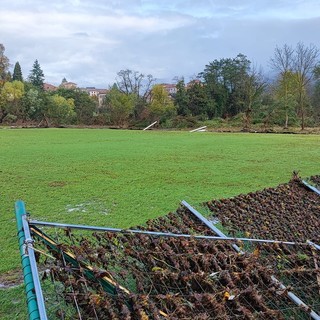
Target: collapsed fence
(176, 267)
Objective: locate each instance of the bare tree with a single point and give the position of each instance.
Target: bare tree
(283, 63)
(300, 62)
(129, 81)
(254, 86)
(306, 60)
(283, 59)
(4, 63)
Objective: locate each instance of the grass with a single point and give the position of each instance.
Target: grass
(122, 178)
(13, 303)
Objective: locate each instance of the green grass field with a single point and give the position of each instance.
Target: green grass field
(122, 178)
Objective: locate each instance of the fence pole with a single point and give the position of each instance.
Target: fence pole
(33, 310)
(314, 189)
(34, 223)
(34, 269)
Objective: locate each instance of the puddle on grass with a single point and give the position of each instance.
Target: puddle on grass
(88, 206)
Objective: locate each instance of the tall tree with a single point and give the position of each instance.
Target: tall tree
(33, 102)
(11, 93)
(286, 94)
(198, 102)
(17, 73)
(225, 81)
(4, 64)
(36, 76)
(282, 62)
(301, 61)
(119, 106)
(307, 58)
(84, 105)
(161, 105)
(316, 95)
(181, 98)
(253, 89)
(134, 82)
(283, 59)
(58, 110)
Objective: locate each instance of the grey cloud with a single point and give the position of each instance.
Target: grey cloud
(88, 42)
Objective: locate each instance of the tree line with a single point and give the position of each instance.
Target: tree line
(229, 89)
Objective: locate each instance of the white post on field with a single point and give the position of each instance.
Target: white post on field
(199, 129)
(149, 126)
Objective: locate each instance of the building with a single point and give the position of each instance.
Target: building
(49, 87)
(193, 82)
(93, 92)
(100, 94)
(68, 85)
(170, 88)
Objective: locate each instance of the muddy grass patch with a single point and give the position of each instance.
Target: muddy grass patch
(57, 184)
(11, 279)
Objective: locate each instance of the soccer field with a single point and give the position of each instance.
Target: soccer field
(122, 178)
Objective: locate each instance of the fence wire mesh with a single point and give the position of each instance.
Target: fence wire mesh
(139, 276)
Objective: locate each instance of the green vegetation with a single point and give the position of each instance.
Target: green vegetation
(227, 89)
(122, 178)
(36, 76)
(13, 303)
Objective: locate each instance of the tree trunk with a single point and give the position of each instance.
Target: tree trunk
(4, 114)
(247, 119)
(301, 106)
(302, 119)
(287, 120)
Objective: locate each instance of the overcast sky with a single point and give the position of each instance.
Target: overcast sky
(89, 41)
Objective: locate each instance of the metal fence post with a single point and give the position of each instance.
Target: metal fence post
(314, 189)
(27, 273)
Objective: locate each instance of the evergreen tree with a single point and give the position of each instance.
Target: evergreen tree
(17, 73)
(181, 99)
(36, 76)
